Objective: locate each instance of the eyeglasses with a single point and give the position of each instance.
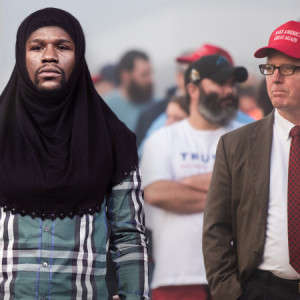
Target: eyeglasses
(284, 70)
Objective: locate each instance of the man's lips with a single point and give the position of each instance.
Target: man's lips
(226, 101)
(49, 72)
(278, 92)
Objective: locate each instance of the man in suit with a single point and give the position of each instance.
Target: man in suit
(248, 239)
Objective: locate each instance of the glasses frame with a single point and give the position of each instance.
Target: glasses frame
(294, 68)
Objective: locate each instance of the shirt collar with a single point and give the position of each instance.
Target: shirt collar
(283, 125)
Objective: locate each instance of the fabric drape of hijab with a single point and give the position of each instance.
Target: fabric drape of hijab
(61, 152)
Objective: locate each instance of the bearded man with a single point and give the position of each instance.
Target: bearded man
(64, 155)
(176, 165)
(135, 89)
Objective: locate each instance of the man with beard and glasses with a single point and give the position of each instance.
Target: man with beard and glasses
(176, 165)
(135, 89)
(69, 179)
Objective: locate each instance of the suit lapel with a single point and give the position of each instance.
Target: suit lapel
(260, 144)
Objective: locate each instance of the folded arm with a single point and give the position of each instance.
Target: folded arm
(200, 181)
(175, 196)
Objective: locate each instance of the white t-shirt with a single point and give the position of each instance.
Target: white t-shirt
(173, 153)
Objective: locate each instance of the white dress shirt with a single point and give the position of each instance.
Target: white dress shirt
(276, 251)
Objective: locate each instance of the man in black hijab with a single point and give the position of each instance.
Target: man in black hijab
(69, 179)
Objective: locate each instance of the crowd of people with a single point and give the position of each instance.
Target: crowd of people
(106, 189)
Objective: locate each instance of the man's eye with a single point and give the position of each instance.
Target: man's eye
(36, 48)
(286, 68)
(63, 47)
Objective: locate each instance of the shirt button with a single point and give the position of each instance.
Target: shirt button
(47, 228)
(45, 264)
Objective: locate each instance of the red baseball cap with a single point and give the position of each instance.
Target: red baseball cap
(206, 49)
(285, 38)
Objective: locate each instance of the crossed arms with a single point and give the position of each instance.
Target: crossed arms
(184, 197)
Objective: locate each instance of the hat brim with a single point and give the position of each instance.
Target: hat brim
(183, 60)
(240, 74)
(186, 59)
(288, 50)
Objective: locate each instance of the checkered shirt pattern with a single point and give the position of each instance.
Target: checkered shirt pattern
(66, 259)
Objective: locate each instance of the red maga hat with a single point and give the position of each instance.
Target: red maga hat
(285, 38)
(204, 50)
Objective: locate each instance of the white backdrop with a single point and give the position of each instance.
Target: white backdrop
(162, 28)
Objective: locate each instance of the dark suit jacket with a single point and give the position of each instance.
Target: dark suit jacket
(236, 210)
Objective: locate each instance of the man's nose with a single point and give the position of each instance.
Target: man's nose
(228, 89)
(276, 77)
(50, 55)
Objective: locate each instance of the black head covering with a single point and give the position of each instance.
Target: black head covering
(60, 152)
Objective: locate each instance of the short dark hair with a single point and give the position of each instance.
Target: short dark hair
(126, 62)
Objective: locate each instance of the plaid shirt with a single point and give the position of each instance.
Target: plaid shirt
(66, 259)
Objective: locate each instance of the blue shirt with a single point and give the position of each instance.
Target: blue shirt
(125, 110)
